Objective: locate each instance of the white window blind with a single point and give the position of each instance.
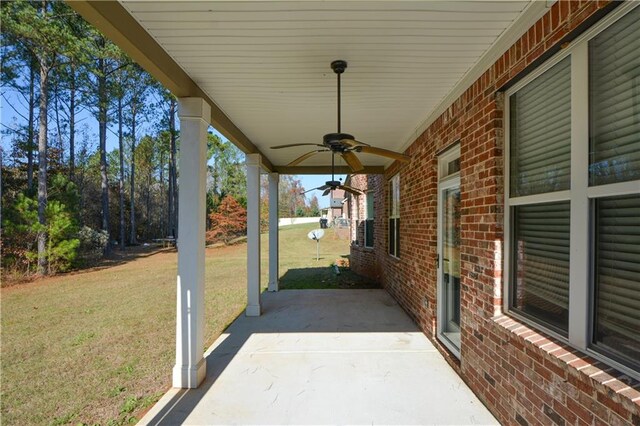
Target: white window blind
(540, 121)
(617, 274)
(542, 262)
(614, 70)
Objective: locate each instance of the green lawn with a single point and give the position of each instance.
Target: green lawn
(98, 346)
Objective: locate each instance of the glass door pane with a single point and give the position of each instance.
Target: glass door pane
(450, 266)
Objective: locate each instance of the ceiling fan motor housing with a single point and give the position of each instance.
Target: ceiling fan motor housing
(333, 183)
(334, 141)
(339, 66)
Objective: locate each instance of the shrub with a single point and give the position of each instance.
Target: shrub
(19, 233)
(62, 241)
(20, 236)
(92, 245)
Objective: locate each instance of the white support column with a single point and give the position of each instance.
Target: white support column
(190, 368)
(274, 255)
(253, 235)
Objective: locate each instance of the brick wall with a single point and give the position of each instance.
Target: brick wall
(523, 376)
(364, 260)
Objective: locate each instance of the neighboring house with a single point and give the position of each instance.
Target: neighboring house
(336, 207)
(513, 236)
(367, 224)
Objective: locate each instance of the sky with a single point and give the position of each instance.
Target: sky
(13, 105)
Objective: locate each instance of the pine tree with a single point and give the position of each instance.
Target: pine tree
(49, 40)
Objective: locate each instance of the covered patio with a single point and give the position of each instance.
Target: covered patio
(324, 357)
(433, 82)
(259, 73)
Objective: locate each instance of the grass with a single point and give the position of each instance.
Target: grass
(97, 347)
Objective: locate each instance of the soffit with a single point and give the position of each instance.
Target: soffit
(266, 64)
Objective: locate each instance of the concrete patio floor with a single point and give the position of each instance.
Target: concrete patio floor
(324, 357)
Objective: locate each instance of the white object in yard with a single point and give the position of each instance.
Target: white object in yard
(286, 221)
(315, 235)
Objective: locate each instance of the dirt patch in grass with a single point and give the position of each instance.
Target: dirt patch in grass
(97, 346)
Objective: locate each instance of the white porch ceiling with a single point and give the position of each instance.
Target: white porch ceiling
(266, 64)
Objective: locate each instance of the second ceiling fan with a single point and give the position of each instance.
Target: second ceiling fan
(343, 143)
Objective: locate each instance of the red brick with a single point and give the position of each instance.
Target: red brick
(583, 413)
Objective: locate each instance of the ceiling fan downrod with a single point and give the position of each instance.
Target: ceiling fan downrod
(333, 160)
(338, 67)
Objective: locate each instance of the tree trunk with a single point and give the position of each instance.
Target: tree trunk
(149, 183)
(102, 130)
(58, 129)
(133, 238)
(121, 182)
(162, 189)
(173, 172)
(72, 122)
(42, 171)
(30, 132)
(170, 226)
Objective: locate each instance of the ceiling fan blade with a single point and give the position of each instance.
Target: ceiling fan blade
(384, 153)
(309, 190)
(326, 192)
(353, 142)
(303, 157)
(352, 160)
(351, 190)
(323, 187)
(295, 144)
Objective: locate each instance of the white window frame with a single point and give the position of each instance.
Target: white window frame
(367, 218)
(580, 196)
(394, 187)
(355, 212)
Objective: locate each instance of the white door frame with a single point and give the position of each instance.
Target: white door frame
(444, 182)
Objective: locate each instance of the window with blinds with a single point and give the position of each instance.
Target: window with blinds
(394, 216)
(540, 163)
(614, 92)
(573, 204)
(540, 121)
(368, 223)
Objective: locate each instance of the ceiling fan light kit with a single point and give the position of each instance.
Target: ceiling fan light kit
(344, 144)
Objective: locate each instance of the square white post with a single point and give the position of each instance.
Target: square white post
(253, 235)
(274, 256)
(190, 368)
